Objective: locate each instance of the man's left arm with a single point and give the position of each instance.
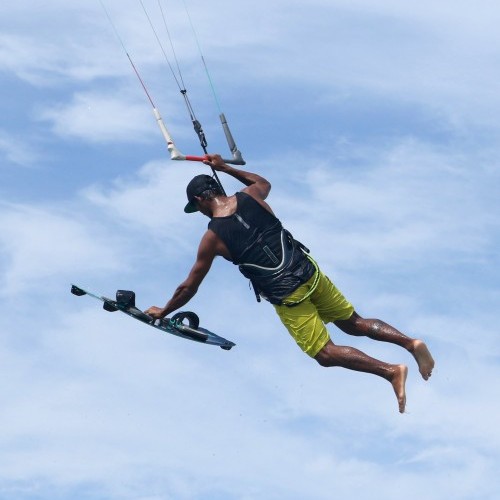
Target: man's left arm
(257, 186)
(188, 288)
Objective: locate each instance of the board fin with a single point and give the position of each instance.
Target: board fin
(108, 306)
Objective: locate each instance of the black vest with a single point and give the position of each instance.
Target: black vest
(265, 252)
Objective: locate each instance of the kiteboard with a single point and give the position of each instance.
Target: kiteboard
(125, 302)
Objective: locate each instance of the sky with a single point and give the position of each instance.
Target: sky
(376, 122)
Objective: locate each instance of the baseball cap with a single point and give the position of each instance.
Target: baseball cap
(197, 185)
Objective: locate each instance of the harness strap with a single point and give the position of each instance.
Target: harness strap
(257, 294)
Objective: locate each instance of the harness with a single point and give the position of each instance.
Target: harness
(289, 249)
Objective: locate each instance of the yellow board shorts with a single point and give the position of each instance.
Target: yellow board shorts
(306, 321)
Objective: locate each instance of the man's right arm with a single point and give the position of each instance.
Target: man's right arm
(207, 252)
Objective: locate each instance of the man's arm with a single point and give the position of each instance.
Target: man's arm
(257, 186)
(207, 251)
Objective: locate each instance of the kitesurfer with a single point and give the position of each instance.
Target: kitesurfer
(244, 230)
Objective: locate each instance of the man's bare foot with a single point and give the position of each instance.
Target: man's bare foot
(423, 358)
(398, 382)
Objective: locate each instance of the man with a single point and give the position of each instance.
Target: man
(244, 230)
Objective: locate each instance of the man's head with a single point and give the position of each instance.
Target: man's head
(202, 186)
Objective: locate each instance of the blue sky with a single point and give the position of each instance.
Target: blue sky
(376, 123)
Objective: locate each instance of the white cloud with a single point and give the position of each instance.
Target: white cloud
(16, 151)
(408, 202)
(109, 385)
(44, 62)
(43, 244)
(100, 118)
(152, 202)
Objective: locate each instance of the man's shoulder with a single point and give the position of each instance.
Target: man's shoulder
(212, 243)
(210, 238)
(252, 198)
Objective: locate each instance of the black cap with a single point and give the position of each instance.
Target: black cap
(197, 185)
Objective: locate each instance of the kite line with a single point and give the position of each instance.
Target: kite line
(175, 153)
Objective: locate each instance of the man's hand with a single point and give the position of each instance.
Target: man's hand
(155, 312)
(215, 161)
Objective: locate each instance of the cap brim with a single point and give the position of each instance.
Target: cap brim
(190, 208)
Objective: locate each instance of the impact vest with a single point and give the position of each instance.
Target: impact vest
(265, 252)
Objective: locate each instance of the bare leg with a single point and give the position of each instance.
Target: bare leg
(353, 359)
(379, 330)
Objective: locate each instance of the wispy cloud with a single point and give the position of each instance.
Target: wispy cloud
(17, 151)
(408, 201)
(42, 244)
(99, 118)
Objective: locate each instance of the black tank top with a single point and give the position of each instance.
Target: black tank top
(265, 253)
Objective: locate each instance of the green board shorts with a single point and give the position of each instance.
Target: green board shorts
(306, 321)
